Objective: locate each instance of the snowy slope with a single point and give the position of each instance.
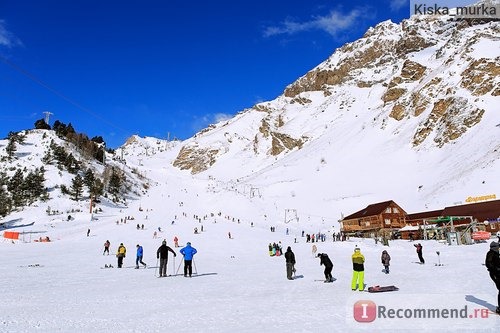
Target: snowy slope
(238, 287)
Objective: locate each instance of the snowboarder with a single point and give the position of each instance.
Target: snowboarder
(386, 258)
(106, 247)
(120, 254)
(358, 274)
(162, 254)
(138, 259)
(290, 263)
(324, 260)
(188, 252)
(492, 263)
(419, 252)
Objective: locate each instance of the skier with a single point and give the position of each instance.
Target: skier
(188, 252)
(162, 254)
(492, 263)
(386, 258)
(138, 258)
(290, 263)
(324, 260)
(106, 247)
(358, 274)
(419, 252)
(270, 250)
(120, 254)
(176, 241)
(88, 232)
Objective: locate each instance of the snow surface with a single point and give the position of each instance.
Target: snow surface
(238, 286)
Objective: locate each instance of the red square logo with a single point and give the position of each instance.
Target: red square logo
(365, 311)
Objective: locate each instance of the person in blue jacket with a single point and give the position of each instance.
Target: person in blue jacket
(188, 252)
(138, 259)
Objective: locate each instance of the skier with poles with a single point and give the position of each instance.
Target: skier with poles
(162, 254)
(188, 252)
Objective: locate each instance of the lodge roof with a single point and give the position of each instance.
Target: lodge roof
(370, 210)
(425, 215)
(482, 211)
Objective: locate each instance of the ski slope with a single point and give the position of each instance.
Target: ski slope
(238, 286)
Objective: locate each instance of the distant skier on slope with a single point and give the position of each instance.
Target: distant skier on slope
(188, 252)
(290, 263)
(162, 254)
(107, 244)
(324, 260)
(492, 263)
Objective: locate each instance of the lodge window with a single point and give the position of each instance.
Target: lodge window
(395, 210)
(367, 224)
(388, 210)
(387, 221)
(493, 225)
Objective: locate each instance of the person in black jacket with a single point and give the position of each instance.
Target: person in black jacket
(162, 254)
(324, 260)
(492, 263)
(419, 253)
(290, 263)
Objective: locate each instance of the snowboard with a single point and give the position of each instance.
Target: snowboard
(379, 289)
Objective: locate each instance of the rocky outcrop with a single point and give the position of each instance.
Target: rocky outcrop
(448, 120)
(482, 77)
(195, 159)
(281, 142)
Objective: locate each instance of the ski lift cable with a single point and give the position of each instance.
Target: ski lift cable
(56, 92)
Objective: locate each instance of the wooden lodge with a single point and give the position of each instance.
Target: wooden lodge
(385, 215)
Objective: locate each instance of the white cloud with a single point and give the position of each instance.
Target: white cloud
(7, 38)
(333, 23)
(201, 122)
(398, 4)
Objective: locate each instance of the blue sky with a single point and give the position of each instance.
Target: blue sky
(118, 68)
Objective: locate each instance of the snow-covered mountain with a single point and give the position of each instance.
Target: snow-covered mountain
(408, 112)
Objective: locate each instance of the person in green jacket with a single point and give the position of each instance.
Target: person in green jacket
(358, 274)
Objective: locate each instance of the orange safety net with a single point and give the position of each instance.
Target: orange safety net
(11, 234)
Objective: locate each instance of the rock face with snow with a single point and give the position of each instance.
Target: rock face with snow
(432, 75)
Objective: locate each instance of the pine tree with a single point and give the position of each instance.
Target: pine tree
(97, 189)
(11, 147)
(115, 183)
(41, 124)
(5, 202)
(77, 187)
(89, 179)
(15, 186)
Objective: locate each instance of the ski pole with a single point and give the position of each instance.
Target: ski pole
(156, 268)
(195, 270)
(177, 271)
(173, 267)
